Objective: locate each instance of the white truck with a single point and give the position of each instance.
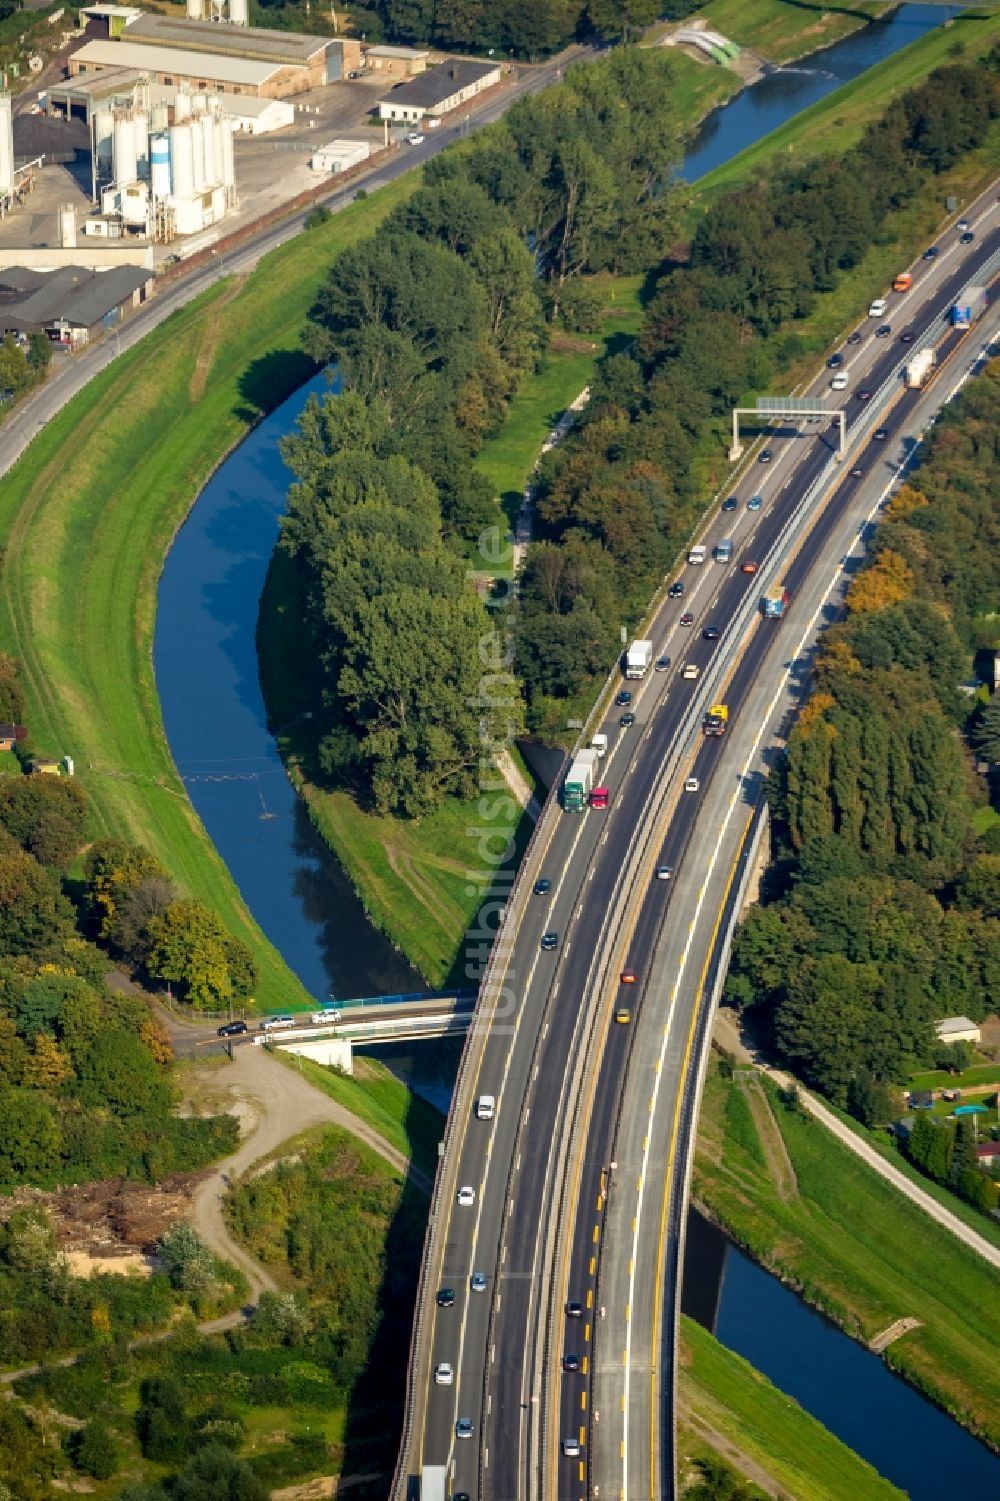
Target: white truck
(599, 743)
(434, 1483)
(919, 368)
(698, 553)
(637, 659)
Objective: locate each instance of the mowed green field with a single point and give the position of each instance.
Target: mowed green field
(852, 1245)
(724, 1404)
(87, 517)
(782, 30)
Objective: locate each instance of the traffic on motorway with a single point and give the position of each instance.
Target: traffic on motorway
(528, 1186)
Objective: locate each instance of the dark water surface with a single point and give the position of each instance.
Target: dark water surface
(847, 1388)
(783, 92)
(206, 671)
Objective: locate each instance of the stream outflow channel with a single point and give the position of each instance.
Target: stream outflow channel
(214, 716)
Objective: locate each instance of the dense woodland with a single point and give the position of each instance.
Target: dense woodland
(84, 1069)
(507, 27)
(432, 324)
(884, 910)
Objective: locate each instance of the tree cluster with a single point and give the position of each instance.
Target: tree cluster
(885, 910)
(508, 26)
(84, 1086)
(618, 498)
(432, 324)
(946, 1152)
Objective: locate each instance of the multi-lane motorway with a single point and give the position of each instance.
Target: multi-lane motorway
(558, 1374)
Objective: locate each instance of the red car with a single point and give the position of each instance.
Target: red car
(687, 618)
(628, 976)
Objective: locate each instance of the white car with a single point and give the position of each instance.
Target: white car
(839, 382)
(277, 1023)
(466, 1197)
(444, 1375)
(692, 784)
(320, 1018)
(414, 138)
(689, 670)
(570, 1447)
(877, 308)
(486, 1107)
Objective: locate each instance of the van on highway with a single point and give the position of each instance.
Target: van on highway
(276, 1023)
(485, 1107)
(689, 670)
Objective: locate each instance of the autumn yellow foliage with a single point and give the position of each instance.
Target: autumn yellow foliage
(887, 582)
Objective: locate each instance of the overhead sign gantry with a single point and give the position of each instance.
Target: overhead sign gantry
(787, 406)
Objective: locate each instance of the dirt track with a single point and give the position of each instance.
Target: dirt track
(273, 1103)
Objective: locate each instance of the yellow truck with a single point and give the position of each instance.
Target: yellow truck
(716, 719)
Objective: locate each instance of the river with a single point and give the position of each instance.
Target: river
(215, 722)
(784, 92)
(850, 1390)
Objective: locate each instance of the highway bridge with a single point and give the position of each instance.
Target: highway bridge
(544, 1340)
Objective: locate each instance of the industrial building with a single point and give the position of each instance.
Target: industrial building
(231, 59)
(438, 90)
(401, 62)
(81, 97)
(339, 156)
(72, 305)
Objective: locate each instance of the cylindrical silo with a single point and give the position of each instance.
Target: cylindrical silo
(198, 153)
(199, 102)
(208, 151)
(159, 165)
(104, 124)
(220, 129)
(218, 204)
(238, 12)
(182, 106)
(125, 162)
(228, 164)
(141, 121)
(159, 118)
(194, 8)
(181, 161)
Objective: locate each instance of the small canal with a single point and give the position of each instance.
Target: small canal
(215, 722)
(850, 1390)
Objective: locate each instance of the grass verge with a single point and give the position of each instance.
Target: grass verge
(726, 1406)
(87, 516)
(407, 1122)
(778, 29)
(859, 1251)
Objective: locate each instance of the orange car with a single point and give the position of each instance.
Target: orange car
(749, 566)
(628, 976)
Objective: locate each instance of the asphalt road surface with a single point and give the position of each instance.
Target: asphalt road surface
(541, 1174)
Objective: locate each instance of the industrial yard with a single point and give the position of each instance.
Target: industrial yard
(153, 137)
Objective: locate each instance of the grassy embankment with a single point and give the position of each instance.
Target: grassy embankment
(86, 518)
(405, 1120)
(726, 1406)
(808, 1209)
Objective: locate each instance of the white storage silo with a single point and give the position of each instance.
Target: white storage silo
(228, 163)
(159, 118)
(218, 204)
(199, 102)
(194, 10)
(159, 164)
(181, 161)
(238, 12)
(6, 144)
(103, 133)
(141, 122)
(126, 167)
(208, 151)
(220, 129)
(198, 152)
(135, 204)
(182, 105)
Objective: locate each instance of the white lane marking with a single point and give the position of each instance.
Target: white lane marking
(636, 1223)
